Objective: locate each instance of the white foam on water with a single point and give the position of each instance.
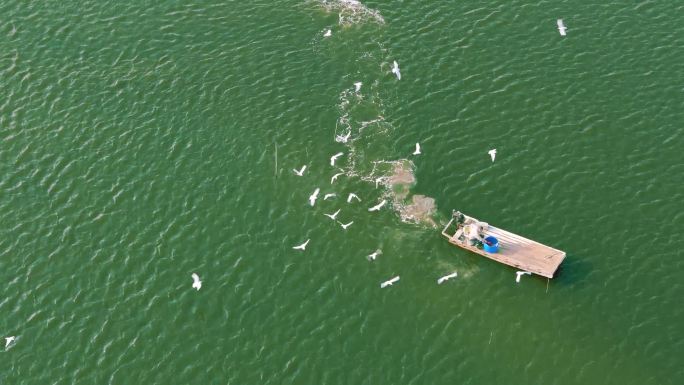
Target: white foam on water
(351, 12)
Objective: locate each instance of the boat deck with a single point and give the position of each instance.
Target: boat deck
(514, 250)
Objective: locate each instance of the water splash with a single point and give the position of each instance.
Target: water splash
(351, 12)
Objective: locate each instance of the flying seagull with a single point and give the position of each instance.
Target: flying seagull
(378, 206)
(447, 277)
(9, 340)
(314, 196)
(332, 216)
(417, 152)
(343, 138)
(395, 70)
(371, 257)
(331, 195)
(357, 86)
(334, 177)
(389, 283)
(334, 158)
(302, 246)
(300, 172)
(561, 27)
(196, 283)
(344, 226)
(492, 153)
(327, 33)
(353, 196)
(519, 274)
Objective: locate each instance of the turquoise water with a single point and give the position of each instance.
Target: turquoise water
(139, 146)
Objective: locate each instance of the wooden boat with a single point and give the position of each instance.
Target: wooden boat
(502, 246)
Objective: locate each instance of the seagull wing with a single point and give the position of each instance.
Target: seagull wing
(378, 206)
(314, 196)
(196, 283)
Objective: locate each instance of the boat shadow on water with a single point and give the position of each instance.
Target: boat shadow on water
(574, 270)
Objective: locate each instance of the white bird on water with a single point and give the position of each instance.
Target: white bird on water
(334, 177)
(344, 226)
(378, 206)
(447, 277)
(314, 196)
(327, 33)
(196, 283)
(492, 153)
(343, 138)
(334, 158)
(353, 196)
(389, 283)
(9, 340)
(357, 86)
(333, 216)
(561, 27)
(395, 70)
(331, 195)
(302, 246)
(417, 152)
(371, 257)
(300, 172)
(519, 274)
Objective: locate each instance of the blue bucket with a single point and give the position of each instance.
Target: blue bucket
(493, 245)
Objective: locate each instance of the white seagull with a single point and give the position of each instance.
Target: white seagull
(343, 138)
(314, 196)
(9, 340)
(561, 27)
(447, 277)
(196, 283)
(344, 226)
(378, 206)
(331, 195)
(492, 153)
(395, 70)
(302, 246)
(519, 274)
(389, 283)
(417, 152)
(353, 196)
(300, 172)
(357, 86)
(334, 158)
(332, 216)
(327, 33)
(371, 257)
(334, 177)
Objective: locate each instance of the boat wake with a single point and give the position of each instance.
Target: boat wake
(352, 12)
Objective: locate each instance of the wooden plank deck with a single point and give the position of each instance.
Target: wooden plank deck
(514, 250)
